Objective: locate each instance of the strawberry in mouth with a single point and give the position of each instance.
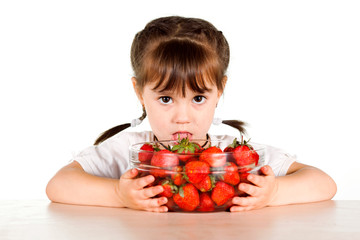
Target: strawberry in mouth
(181, 135)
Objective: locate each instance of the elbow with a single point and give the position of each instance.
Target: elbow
(329, 189)
(332, 188)
(57, 186)
(50, 190)
(54, 188)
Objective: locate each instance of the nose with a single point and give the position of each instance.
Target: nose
(182, 114)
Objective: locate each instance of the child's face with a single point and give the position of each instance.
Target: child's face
(171, 114)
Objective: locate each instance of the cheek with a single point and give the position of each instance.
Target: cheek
(205, 118)
(156, 118)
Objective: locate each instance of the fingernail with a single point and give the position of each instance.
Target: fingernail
(162, 200)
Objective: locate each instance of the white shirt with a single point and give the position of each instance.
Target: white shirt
(111, 158)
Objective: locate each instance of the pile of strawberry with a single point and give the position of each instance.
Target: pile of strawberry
(196, 178)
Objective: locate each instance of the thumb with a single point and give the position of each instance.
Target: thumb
(131, 173)
(267, 170)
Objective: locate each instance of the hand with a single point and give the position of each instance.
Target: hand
(260, 193)
(133, 194)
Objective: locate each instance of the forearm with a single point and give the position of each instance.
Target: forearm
(308, 184)
(74, 186)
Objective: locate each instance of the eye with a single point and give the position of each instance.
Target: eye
(165, 100)
(199, 99)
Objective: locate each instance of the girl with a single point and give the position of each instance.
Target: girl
(179, 65)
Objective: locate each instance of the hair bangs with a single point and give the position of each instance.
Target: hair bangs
(180, 63)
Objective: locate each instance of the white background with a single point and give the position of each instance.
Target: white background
(65, 77)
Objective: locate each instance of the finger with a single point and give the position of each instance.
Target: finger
(249, 189)
(131, 173)
(267, 170)
(151, 191)
(256, 180)
(142, 182)
(240, 209)
(244, 201)
(153, 202)
(160, 209)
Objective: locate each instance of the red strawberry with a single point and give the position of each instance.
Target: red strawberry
(244, 169)
(214, 156)
(187, 198)
(146, 152)
(222, 193)
(245, 154)
(185, 149)
(178, 177)
(169, 189)
(170, 205)
(229, 149)
(243, 177)
(231, 174)
(196, 171)
(206, 184)
(198, 149)
(206, 204)
(193, 158)
(163, 159)
(232, 146)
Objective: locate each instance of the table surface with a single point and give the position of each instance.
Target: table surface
(41, 219)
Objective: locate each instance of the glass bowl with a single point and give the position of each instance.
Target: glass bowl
(200, 178)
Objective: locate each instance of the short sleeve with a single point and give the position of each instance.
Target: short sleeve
(279, 160)
(111, 157)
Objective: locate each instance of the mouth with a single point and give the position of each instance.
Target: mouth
(180, 135)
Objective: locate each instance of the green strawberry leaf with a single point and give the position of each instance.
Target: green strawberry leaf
(181, 192)
(186, 177)
(213, 181)
(165, 182)
(174, 189)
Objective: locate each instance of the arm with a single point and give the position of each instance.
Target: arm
(73, 185)
(302, 184)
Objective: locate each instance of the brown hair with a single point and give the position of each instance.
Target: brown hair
(175, 53)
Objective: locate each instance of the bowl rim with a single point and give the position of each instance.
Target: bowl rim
(133, 148)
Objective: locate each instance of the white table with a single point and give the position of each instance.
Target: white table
(44, 220)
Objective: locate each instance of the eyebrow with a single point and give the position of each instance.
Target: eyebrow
(167, 92)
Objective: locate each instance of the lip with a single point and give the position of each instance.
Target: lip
(176, 135)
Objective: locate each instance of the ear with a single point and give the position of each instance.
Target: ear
(137, 91)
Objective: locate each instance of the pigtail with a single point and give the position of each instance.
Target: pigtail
(239, 125)
(112, 131)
